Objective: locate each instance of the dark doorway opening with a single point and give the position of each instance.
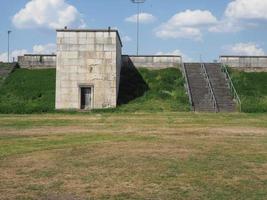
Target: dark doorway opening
(86, 98)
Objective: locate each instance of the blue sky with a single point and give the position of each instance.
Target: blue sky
(206, 28)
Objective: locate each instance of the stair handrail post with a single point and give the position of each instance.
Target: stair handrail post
(213, 98)
(187, 87)
(232, 87)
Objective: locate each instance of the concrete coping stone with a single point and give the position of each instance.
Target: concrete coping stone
(92, 30)
(174, 56)
(236, 56)
(52, 55)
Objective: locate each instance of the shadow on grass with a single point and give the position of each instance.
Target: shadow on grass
(132, 84)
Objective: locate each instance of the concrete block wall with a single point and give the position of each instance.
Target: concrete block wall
(152, 61)
(246, 63)
(37, 61)
(87, 58)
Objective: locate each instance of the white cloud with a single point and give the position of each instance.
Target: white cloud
(245, 49)
(14, 54)
(144, 18)
(176, 52)
(191, 18)
(126, 39)
(247, 9)
(44, 49)
(187, 24)
(183, 32)
(37, 49)
(227, 26)
(50, 14)
(242, 14)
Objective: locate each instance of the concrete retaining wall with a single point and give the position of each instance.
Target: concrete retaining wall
(37, 61)
(152, 61)
(246, 63)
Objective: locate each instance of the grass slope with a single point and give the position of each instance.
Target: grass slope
(252, 89)
(33, 91)
(160, 90)
(133, 156)
(28, 91)
(4, 70)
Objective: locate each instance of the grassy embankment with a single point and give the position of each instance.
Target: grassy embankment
(133, 156)
(252, 89)
(4, 67)
(33, 91)
(28, 91)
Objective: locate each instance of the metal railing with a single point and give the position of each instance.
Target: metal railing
(213, 98)
(232, 87)
(187, 87)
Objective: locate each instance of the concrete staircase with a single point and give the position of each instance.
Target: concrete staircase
(208, 88)
(220, 87)
(5, 70)
(198, 87)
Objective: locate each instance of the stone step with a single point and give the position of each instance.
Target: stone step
(198, 84)
(220, 86)
(199, 88)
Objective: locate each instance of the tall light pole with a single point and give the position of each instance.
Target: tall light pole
(8, 38)
(138, 2)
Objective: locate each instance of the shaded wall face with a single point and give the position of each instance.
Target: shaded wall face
(244, 62)
(153, 62)
(86, 59)
(37, 61)
(118, 65)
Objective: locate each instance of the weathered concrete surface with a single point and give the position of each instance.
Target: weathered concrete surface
(37, 61)
(87, 58)
(152, 61)
(246, 63)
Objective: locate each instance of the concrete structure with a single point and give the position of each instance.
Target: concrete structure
(152, 61)
(88, 69)
(37, 61)
(34, 61)
(246, 63)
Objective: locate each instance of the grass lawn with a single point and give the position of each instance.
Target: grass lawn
(133, 156)
(252, 88)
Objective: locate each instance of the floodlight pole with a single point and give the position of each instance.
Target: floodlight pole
(8, 42)
(138, 2)
(138, 29)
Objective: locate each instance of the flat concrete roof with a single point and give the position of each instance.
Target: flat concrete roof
(92, 30)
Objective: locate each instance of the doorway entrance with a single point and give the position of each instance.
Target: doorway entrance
(86, 98)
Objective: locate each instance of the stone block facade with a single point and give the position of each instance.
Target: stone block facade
(37, 61)
(152, 61)
(245, 63)
(89, 60)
